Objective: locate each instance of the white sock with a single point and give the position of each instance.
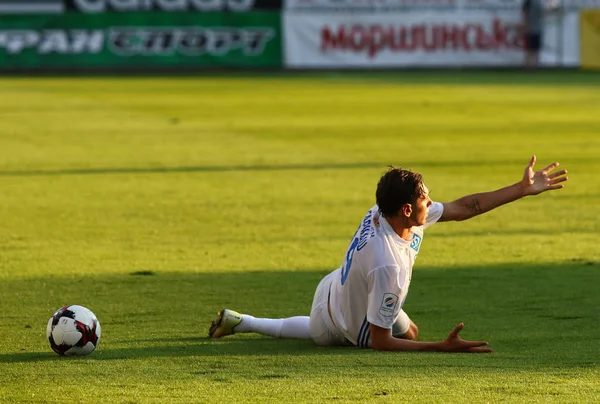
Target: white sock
(293, 327)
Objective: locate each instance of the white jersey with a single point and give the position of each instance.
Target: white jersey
(371, 285)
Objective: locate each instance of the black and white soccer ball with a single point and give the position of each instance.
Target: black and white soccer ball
(73, 331)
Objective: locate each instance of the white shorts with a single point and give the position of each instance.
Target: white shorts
(322, 329)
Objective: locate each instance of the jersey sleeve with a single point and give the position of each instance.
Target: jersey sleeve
(435, 213)
(385, 292)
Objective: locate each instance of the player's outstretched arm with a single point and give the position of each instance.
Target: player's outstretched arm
(382, 340)
(533, 183)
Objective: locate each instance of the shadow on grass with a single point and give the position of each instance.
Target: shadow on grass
(188, 169)
(543, 315)
(281, 167)
(181, 347)
(461, 75)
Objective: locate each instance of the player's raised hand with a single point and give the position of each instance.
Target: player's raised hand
(536, 182)
(454, 343)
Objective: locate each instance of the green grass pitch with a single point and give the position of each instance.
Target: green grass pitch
(156, 201)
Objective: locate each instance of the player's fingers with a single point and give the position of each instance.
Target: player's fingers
(456, 330)
(550, 167)
(476, 343)
(480, 350)
(557, 180)
(556, 186)
(532, 161)
(557, 174)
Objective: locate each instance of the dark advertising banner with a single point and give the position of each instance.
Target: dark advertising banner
(102, 6)
(141, 40)
(31, 6)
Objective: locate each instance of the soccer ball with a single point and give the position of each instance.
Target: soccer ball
(73, 331)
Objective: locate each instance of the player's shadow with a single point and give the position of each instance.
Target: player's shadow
(548, 312)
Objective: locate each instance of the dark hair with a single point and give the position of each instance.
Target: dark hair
(397, 187)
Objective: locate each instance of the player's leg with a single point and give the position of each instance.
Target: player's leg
(322, 329)
(300, 327)
(404, 327)
(537, 49)
(231, 322)
(533, 45)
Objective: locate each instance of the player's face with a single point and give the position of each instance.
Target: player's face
(421, 208)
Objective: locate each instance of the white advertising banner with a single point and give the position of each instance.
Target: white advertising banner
(561, 40)
(369, 5)
(476, 38)
(405, 5)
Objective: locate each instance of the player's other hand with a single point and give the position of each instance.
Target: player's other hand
(536, 182)
(454, 343)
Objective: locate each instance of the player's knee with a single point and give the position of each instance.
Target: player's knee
(413, 332)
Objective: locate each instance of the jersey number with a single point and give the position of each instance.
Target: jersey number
(348, 262)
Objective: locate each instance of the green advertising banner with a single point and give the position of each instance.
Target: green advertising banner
(141, 40)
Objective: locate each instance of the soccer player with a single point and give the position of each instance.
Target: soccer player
(533, 24)
(360, 303)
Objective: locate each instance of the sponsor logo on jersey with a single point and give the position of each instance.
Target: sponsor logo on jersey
(388, 304)
(416, 242)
